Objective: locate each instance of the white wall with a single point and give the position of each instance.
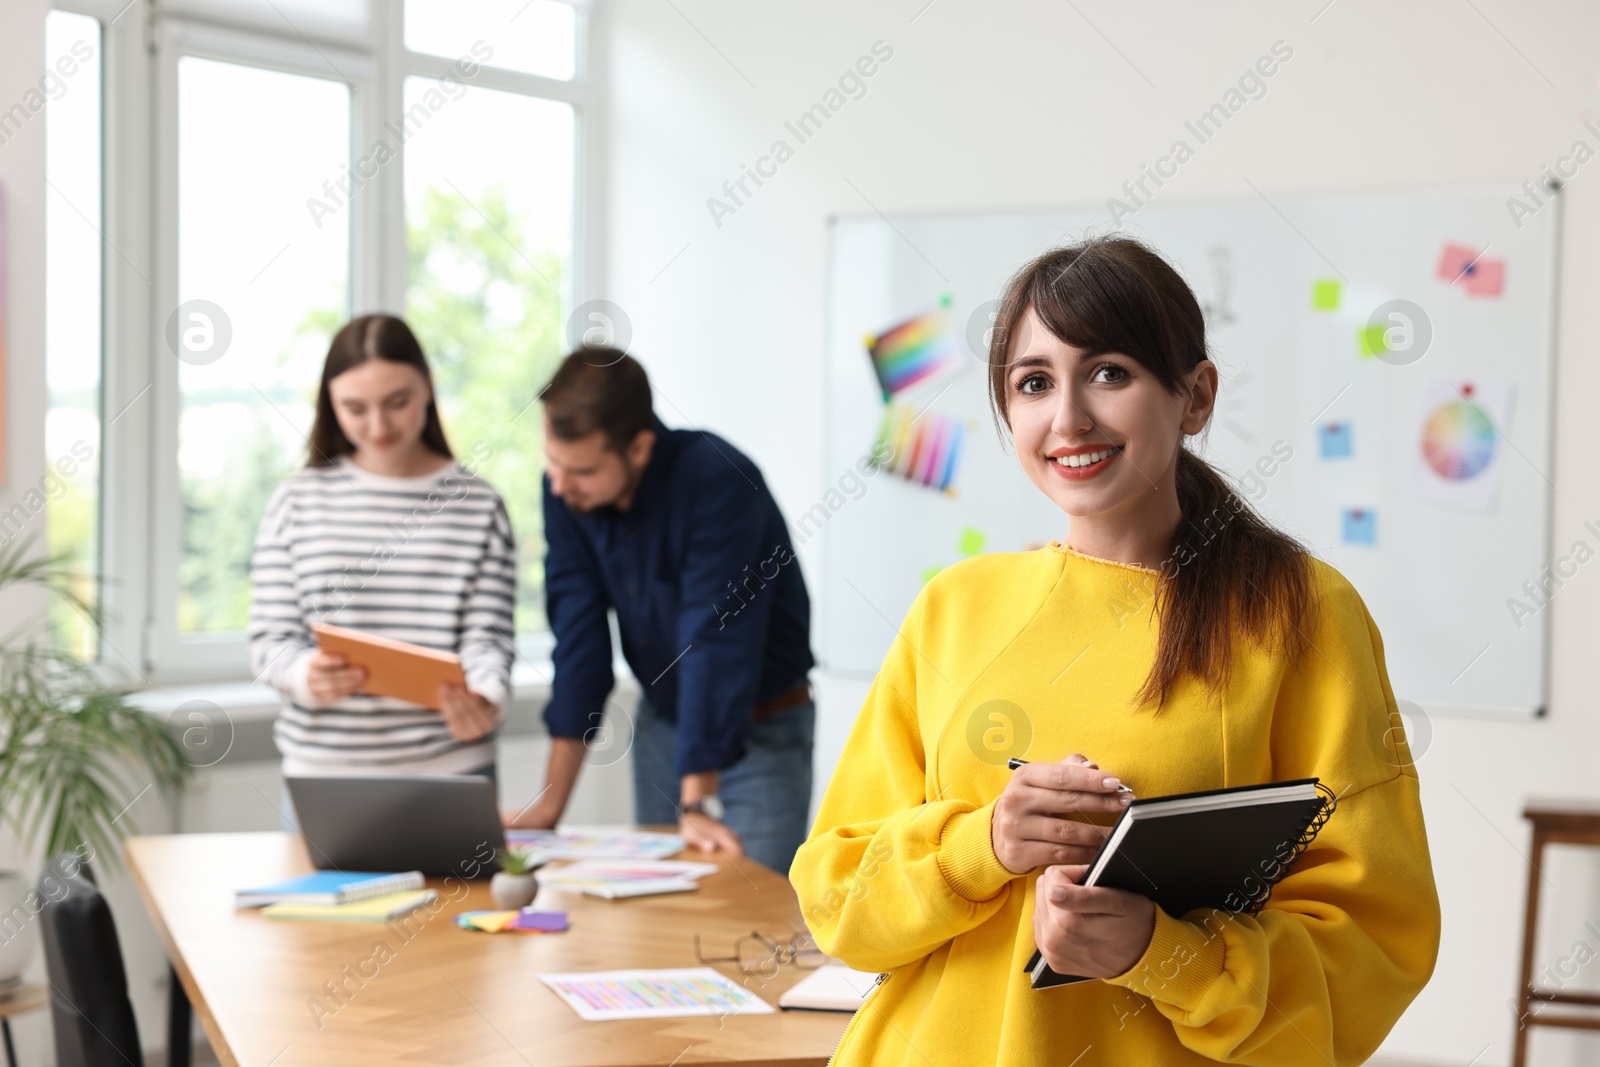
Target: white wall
(1030, 103)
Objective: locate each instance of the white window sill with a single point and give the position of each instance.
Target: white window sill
(255, 702)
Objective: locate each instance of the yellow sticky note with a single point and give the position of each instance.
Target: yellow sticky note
(1325, 294)
(1372, 340)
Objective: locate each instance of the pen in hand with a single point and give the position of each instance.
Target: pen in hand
(1013, 763)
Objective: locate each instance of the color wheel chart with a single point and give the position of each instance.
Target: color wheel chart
(1458, 439)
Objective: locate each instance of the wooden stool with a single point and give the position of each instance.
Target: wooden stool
(1555, 822)
(29, 996)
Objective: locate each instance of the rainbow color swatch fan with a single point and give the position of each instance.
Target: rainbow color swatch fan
(915, 352)
(921, 447)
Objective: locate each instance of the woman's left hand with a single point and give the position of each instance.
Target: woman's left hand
(468, 715)
(1090, 931)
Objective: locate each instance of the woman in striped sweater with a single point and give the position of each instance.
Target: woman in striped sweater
(383, 531)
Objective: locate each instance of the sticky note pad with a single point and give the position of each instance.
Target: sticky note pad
(490, 922)
(971, 542)
(1372, 339)
(545, 922)
(1360, 526)
(1333, 439)
(1325, 294)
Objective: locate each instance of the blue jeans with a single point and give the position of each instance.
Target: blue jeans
(766, 795)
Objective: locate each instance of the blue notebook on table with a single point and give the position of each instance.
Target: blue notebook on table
(328, 887)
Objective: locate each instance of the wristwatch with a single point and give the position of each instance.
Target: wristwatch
(710, 806)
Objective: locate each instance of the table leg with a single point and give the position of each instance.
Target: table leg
(179, 1026)
(1530, 931)
(11, 1052)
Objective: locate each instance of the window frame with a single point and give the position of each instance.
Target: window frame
(140, 503)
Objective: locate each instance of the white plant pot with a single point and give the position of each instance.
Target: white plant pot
(19, 923)
(513, 890)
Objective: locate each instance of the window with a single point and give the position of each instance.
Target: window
(489, 231)
(276, 219)
(73, 298)
(542, 37)
(262, 286)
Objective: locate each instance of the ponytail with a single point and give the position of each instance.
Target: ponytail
(1229, 571)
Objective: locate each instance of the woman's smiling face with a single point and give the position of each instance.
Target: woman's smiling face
(1098, 434)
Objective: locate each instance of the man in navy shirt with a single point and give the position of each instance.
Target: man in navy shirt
(676, 531)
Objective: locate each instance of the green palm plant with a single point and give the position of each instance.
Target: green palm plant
(74, 753)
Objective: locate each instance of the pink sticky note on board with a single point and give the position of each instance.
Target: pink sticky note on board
(1478, 274)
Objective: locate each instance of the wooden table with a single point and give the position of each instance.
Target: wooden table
(277, 993)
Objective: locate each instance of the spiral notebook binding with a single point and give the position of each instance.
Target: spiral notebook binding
(1282, 867)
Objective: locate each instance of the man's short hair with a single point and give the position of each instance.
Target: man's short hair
(600, 389)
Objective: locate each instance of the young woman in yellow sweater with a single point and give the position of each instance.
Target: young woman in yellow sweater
(1175, 642)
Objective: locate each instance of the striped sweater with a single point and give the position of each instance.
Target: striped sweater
(430, 560)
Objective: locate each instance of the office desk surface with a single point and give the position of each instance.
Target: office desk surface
(272, 993)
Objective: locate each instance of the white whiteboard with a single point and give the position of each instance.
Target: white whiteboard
(1437, 577)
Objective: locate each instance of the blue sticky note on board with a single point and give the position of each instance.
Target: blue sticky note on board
(1360, 526)
(1333, 438)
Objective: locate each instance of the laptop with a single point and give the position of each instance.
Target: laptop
(440, 824)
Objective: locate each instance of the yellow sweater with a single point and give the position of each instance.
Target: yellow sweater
(1038, 655)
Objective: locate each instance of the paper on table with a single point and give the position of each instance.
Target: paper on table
(598, 996)
(597, 844)
(831, 987)
(601, 872)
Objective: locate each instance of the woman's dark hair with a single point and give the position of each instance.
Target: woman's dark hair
(602, 389)
(361, 339)
(1227, 566)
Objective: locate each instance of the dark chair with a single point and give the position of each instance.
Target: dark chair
(89, 1006)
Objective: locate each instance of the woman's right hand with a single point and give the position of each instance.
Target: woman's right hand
(331, 678)
(1028, 828)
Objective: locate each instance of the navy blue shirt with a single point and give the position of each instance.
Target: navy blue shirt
(711, 606)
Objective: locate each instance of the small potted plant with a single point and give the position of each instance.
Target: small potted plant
(515, 885)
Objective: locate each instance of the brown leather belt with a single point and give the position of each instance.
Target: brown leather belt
(784, 700)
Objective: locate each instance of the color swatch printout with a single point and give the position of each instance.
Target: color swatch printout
(922, 447)
(596, 844)
(1461, 441)
(914, 352)
(599, 996)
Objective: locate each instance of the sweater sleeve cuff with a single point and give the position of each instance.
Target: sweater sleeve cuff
(1183, 961)
(966, 855)
(296, 680)
(492, 689)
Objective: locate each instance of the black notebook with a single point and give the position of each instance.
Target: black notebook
(1222, 848)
